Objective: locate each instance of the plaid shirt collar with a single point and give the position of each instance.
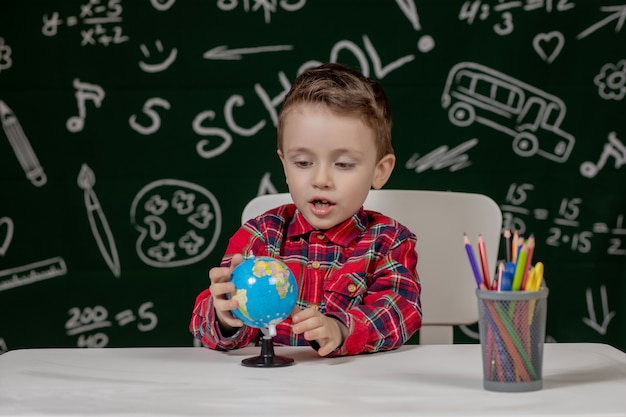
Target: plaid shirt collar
(342, 234)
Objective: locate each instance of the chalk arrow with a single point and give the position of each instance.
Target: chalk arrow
(619, 15)
(591, 321)
(222, 52)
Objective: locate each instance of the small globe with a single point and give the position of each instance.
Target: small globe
(266, 290)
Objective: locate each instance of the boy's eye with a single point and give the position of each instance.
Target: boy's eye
(345, 165)
(302, 164)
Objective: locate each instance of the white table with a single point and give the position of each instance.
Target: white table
(418, 380)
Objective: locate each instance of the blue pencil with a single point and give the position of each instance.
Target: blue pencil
(472, 260)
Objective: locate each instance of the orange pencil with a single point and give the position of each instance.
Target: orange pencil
(482, 253)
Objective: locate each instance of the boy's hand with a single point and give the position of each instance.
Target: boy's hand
(328, 332)
(220, 286)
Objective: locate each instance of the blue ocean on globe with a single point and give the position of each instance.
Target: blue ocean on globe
(266, 290)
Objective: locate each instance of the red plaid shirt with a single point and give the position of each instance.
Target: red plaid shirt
(362, 272)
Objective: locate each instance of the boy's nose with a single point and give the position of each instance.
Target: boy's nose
(322, 178)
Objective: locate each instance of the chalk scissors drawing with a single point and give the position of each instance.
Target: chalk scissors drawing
(98, 221)
(179, 223)
(476, 93)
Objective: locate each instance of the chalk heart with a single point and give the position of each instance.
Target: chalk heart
(8, 235)
(548, 45)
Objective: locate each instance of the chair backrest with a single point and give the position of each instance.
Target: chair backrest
(438, 219)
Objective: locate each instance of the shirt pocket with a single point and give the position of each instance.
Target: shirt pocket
(345, 292)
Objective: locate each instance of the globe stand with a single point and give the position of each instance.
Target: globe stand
(267, 358)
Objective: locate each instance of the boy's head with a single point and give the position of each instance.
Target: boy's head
(344, 91)
(334, 140)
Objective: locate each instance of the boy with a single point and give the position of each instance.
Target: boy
(358, 287)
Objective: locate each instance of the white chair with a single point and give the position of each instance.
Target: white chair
(438, 219)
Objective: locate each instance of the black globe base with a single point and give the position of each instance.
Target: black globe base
(267, 358)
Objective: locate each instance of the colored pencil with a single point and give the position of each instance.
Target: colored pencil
(472, 260)
(482, 253)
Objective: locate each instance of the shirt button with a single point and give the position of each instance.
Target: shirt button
(315, 264)
(351, 288)
(315, 307)
(321, 236)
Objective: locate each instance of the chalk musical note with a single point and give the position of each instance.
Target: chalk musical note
(21, 146)
(613, 148)
(98, 221)
(84, 92)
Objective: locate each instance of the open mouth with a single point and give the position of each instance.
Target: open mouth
(321, 203)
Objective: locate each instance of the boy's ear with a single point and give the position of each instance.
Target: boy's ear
(282, 160)
(383, 170)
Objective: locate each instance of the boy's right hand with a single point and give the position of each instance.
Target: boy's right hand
(220, 286)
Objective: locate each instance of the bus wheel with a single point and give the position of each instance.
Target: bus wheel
(525, 144)
(462, 114)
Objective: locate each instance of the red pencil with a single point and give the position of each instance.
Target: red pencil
(530, 247)
(482, 253)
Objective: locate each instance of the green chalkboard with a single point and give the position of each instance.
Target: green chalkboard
(134, 132)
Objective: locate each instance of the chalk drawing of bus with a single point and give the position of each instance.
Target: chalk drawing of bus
(476, 93)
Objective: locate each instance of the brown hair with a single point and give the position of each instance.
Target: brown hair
(344, 91)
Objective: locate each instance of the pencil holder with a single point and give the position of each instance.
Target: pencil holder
(512, 326)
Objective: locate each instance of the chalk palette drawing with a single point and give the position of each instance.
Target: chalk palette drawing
(548, 45)
(5, 56)
(426, 43)
(6, 230)
(166, 59)
(613, 148)
(84, 92)
(178, 222)
(607, 315)
(97, 220)
(21, 146)
(153, 115)
(99, 22)
(442, 157)
(611, 81)
(618, 14)
(476, 93)
(31, 273)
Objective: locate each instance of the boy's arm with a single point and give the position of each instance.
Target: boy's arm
(390, 311)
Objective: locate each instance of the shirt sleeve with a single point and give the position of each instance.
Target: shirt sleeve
(390, 311)
(204, 325)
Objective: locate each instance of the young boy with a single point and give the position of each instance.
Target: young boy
(356, 270)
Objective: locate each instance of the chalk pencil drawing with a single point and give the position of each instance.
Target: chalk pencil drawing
(97, 220)
(476, 93)
(21, 146)
(178, 222)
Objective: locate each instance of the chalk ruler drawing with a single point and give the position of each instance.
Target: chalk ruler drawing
(607, 315)
(21, 146)
(98, 221)
(31, 273)
(476, 93)
(84, 92)
(179, 223)
(8, 235)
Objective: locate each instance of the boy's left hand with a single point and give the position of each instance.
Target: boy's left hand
(328, 332)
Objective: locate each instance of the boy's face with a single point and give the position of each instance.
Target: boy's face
(330, 163)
